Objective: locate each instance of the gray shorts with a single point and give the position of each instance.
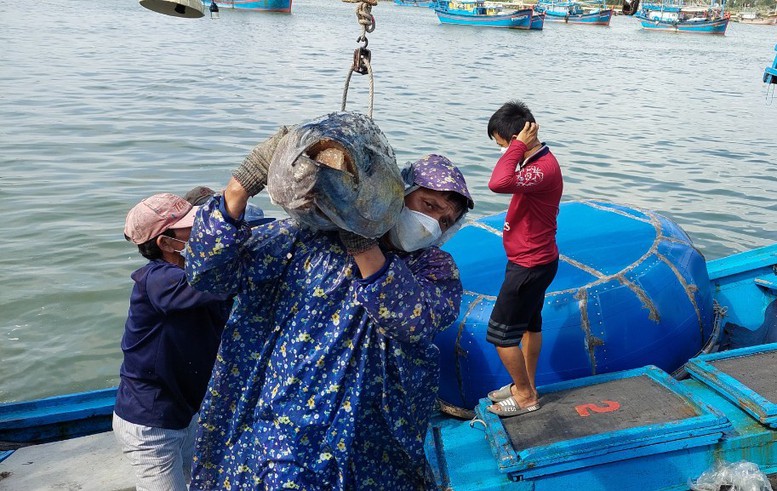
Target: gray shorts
(160, 457)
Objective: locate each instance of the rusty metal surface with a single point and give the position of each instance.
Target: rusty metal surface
(641, 402)
(756, 371)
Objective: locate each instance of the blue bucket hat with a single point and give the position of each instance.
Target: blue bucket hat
(437, 173)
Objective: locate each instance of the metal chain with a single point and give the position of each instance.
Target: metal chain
(362, 56)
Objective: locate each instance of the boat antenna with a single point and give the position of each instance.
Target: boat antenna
(361, 55)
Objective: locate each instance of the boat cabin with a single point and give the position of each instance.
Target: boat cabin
(675, 12)
(476, 7)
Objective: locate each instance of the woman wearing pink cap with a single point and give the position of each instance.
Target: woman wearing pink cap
(170, 340)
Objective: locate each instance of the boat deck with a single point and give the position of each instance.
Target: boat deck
(90, 463)
(632, 431)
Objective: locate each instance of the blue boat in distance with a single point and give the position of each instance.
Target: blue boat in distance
(770, 74)
(415, 3)
(537, 21)
(571, 12)
(675, 16)
(283, 6)
(476, 13)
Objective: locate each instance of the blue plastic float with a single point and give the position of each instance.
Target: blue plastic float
(631, 290)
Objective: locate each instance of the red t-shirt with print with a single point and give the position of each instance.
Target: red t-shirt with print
(529, 234)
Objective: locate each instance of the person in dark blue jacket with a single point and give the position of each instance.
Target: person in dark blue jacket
(170, 341)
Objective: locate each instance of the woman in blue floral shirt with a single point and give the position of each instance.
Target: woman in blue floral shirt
(326, 375)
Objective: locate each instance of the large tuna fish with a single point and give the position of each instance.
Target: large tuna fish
(338, 171)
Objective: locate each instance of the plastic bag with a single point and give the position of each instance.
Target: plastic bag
(737, 476)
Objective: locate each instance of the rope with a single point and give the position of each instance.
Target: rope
(372, 86)
(361, 57)
(364, 15)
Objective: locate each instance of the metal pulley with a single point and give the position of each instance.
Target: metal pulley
(361, 60)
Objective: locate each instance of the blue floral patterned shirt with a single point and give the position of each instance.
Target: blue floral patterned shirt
(324, 380)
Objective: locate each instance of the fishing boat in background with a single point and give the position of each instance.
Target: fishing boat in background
(415, 3)
(258, 5)
(770, 74)
(537, 21)
(676, 16)
(754, 17)
(477, 13)
(573, 12)
(55, 418)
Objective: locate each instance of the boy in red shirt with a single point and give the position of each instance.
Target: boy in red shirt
(530, 172)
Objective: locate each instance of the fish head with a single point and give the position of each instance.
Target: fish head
(338, 172)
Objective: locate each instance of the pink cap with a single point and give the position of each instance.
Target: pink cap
(154, 215)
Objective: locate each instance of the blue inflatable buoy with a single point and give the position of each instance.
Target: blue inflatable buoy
(631, 290)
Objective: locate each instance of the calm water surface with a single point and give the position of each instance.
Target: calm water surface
(103, 103)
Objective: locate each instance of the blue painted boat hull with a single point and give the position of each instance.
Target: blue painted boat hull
(259, 5)
(701, 27)
(537, 21)
(631, 290)
(770, 74)
(601, 18)
(520, 19)
(415, 3)
(663, 455)
(681, 423)
(55, 418)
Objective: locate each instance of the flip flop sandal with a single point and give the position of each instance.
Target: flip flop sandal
(503, 393)
(500, 394)
(509, 408)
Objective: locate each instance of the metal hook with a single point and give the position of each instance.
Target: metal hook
(477, 420)
(362, 56)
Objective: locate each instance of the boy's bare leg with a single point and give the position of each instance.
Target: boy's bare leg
(531, 344)
(512, 359)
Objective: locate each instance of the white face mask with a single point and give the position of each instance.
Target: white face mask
(414, 231)
(182, 252)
